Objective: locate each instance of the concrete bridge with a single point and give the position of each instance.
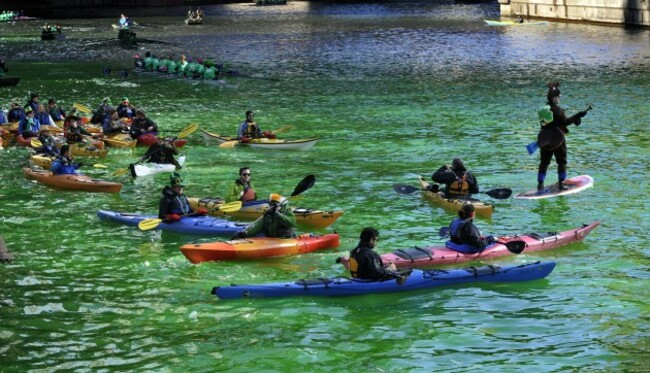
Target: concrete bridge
(615, 12)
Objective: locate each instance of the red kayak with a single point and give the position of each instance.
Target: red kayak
(427, 256)
(258, 247)
(150, 138)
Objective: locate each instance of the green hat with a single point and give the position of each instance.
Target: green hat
(125, 99)
(175, 180)
(545, 114)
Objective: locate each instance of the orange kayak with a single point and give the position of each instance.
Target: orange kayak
(72, 182)
(258, 247)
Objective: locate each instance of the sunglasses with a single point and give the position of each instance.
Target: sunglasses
(246, 174)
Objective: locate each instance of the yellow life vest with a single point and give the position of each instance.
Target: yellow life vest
(251, 130)
(459, 187)
(354, 266)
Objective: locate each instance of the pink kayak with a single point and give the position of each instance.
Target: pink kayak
(426, 256)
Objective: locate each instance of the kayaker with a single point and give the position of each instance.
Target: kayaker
(48, 144)
(243, 189)
(142, 125)
(33, 102)
(29, 126)
(365, 263)
(125, 109)
(100, 114)
(75, 131)
(113, 123)
(63, 164)
(551, 139)
(3, 117)
(173, 203)
(248, 129)
(458, 181)
(16, 112)
(148, 60)
(465, 237)
(55, 112)
(277, 222)
(162, 151)
(43, 116)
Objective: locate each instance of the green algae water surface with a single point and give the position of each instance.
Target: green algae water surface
(393, 91)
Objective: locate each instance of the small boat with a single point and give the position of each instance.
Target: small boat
(146, 169)
(263, 143)
(72, 182)
(194, 21)
(413, 280)
(416, 257)
(482, 209)
(254, 209)
(92, 150)
(513, 23)
(8, 81)
(258, 247)
(198, 225)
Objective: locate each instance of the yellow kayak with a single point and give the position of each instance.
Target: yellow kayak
(254, 209)
(83, 150)
(453, 204)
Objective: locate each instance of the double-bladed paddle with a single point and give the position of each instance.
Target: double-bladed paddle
(498, 193)
(148, 224)
(515, 247)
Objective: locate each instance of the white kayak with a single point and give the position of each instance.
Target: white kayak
(146, 169)
(513, 23)
(262, 143)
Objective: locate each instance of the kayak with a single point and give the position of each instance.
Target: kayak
(199, 225)
(263, 143)
(254, 209)
(150, 138)
(455, 204)
(86, 150)
(574, 185)
(513, 23)
(258, 247)
(147, 169)
(119, 140)
(416, 280)
(72, 182)
(433, 255)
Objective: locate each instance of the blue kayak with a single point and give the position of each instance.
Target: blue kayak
(199, 225)
(340, 286)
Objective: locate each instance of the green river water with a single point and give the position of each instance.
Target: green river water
(394, 91)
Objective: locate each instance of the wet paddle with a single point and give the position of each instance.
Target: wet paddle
(533, 146)
(498, 193)
(148, 224)
(515, 247)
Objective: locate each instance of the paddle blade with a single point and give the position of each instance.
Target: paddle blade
(35, 143)
(229, 144)
(404, 189)
(516, 247)
(499, 193)
(148, 224)
(304, 185)
(230, 206)
(82, 108)
(190, 129)
(532, 147)
(444, 232)
(99, 165)
(121, 172)
(283, 129)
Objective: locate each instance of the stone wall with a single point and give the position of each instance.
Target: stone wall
(622, 12)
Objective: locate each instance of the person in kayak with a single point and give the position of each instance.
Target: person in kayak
(551, 139)
(55, 112)
(162, 151)
(112, 123)
(465, 237)
(16, 112)
(142, 125)
(173, 203)
(100, 114)
(29, 126)
(125, 109)
(459, 183)
(33, 102)
(43, 116)
(75, 131)
(248, 129)
(63, 164)
(277, 222)
(243, 189)
(365, 263)
(48, 146)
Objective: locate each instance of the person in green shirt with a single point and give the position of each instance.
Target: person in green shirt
(242, 190)
(277, 222)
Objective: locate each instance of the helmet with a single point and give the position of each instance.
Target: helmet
(275, 198)
(545, 114)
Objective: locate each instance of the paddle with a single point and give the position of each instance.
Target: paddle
(232, 143)
(498, 193)
(533, 146)
(82, 108)
(148, 224)
(190, 129)
(515, 247)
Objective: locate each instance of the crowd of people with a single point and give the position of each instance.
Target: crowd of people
(183, 67)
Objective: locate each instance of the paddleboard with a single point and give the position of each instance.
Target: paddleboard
(574, 185)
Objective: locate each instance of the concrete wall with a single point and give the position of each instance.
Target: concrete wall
(623, 12)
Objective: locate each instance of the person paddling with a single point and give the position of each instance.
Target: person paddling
(248, 129)
(173, 203)
(63, 164)
(243, 189)
(162, 152)
(142, 125)
(551, 138)
(465, 237)
(459, 183)
(29, 126)
(365, 263)
(278, 221)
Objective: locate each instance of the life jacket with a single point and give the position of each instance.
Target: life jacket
(251, 130)
(249, 195)
(459, 187)
(354, 266)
